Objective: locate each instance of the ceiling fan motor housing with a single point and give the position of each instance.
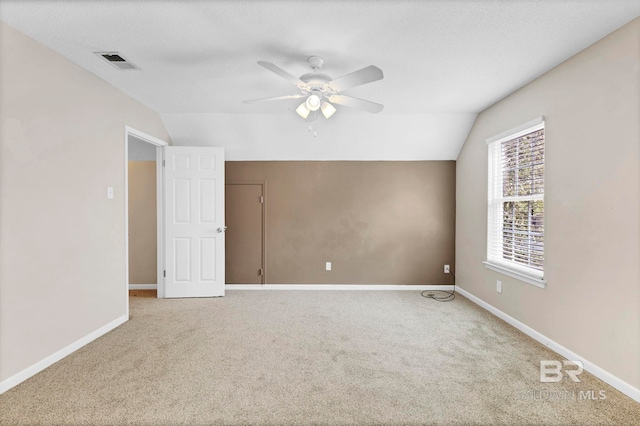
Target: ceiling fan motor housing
(315, 80)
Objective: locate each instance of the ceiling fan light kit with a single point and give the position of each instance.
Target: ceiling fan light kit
(302, 110)
(327, 110)
(321, 91)
(313, 101)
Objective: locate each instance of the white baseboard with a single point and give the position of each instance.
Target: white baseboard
(335, 287)
(143, 286)
(600, 373)
(20, 377)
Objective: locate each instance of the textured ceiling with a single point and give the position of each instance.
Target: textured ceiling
(444, 62)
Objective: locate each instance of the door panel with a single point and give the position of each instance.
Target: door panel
(194, 222)
(244, 215)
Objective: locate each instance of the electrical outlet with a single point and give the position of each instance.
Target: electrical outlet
(499, 286)
(446, 269)
(327, 266)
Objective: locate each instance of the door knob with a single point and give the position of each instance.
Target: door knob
(223, 229)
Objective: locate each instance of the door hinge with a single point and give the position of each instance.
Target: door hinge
(262, 199)
(165, 273)
(260, 272)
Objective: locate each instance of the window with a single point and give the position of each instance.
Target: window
(515, 219)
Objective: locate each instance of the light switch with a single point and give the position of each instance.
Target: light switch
(328, 266)
(110, 192)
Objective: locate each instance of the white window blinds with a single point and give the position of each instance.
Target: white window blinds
(515, 228)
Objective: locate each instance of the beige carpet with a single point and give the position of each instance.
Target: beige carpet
(309, 357)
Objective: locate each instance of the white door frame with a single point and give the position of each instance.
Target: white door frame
(159, 144)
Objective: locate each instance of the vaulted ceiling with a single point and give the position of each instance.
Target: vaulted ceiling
(443, 63)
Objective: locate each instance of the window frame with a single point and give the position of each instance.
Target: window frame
(510, 268)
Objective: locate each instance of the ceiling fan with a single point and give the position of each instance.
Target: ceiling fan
(321, 91)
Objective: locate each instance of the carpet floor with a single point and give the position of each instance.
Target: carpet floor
(310, 357)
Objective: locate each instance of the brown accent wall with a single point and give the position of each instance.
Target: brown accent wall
(390, 222)
(143, 231)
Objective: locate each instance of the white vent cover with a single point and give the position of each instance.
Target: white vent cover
(117, 60)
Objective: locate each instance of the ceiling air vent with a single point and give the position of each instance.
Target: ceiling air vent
(116, 59)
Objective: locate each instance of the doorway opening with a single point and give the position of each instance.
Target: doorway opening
(143, 212)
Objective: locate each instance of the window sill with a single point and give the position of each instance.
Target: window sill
(538, 282)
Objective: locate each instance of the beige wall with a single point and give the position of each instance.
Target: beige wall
(592, 214)
(62, 247)
(377, 222)
(143, 231)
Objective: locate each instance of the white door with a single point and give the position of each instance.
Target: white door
(194, 221)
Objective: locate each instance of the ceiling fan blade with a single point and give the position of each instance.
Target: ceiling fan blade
(357, 78)
(350, 101)
(277, 98)
(282, 73)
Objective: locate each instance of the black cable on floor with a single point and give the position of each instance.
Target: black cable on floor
(435, 294)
